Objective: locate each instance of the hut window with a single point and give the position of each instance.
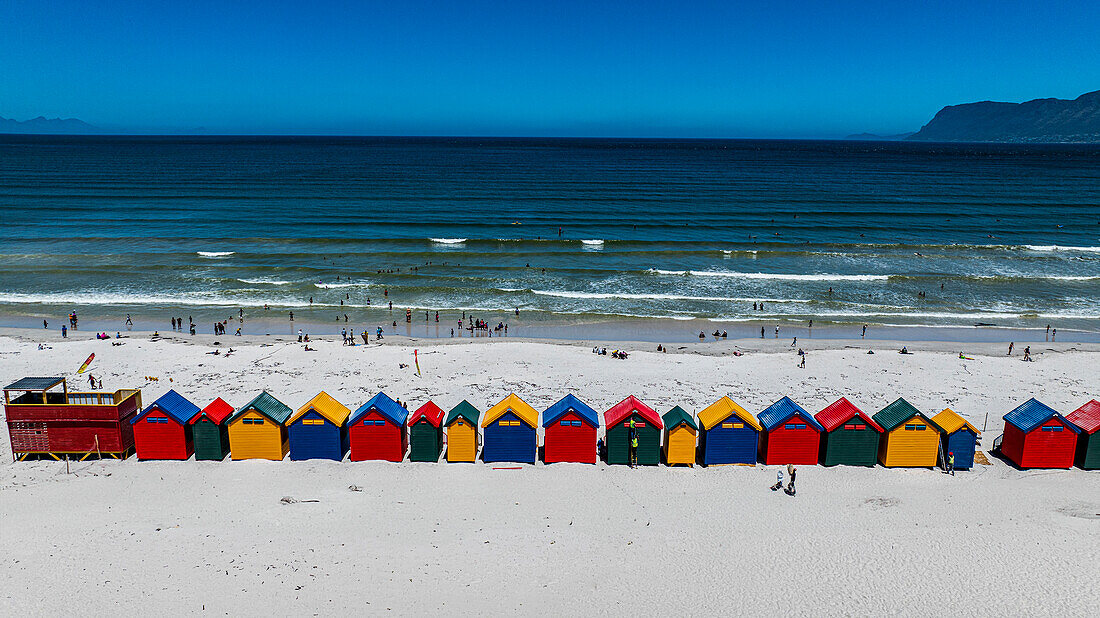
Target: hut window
(738, 425)
(910, 428)
(921, 428)
(727, 425)
(313, 421)
(1052, 428)
(576, 423)
(565, 423)
(458, 422)
(790, 426)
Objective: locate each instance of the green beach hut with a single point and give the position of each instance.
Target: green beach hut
(209, 431)
(851, 437)
(426, 433)
(647, 426)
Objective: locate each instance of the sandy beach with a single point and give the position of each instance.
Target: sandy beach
(566, 539)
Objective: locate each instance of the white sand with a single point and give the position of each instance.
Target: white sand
(464, 539)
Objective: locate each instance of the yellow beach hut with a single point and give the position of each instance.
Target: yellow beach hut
(910, 440)
(680, 434)
(258, 430)
(462, 422)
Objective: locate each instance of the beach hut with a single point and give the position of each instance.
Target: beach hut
(426, 433)
(258, 430)
(509, 431)
(461, 425)
(319, 429)
(910, 439)
(729, 434)
(377, 430)
(161, 430)
(680, 435)
(1087, 419)
(791, 434)
(570, 426)
(957, 437)
(210, 432)
(647, 427)
(45, 422)
(851, 436)
(1036, 436)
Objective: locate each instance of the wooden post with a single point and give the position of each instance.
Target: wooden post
(66, 463)
(986, 423)
(97, 453)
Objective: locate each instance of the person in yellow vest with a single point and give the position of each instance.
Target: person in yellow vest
(634, 451)
(951, 463)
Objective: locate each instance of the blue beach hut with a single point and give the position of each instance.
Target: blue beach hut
(318, 429)
(509, 429)
(730, 434)
(958, 438)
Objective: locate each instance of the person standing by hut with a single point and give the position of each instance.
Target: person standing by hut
(790, 485)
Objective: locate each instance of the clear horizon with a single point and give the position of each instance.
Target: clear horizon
(487, 69)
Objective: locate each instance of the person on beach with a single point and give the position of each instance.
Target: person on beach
(173, 323)
(811, 324)
(634, 451)
(45, 324)
(310, 301)
(951, 463)
(802, 359)
(129, 322)
(291, 316)
(794, 342)
(364, 337)
(761, 332)
(64, 332)
(1027, 353)
(1011, 344)
(777, 331)
(1048, 331)
(754, 306)
(790, 485)
(91, 381)
(778, 480)
(1053, 335)
(864, 335)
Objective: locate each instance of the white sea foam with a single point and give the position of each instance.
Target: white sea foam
(448, 241)
(325, 286)
(776, 276)
(215, 254)
(1061, 248)
(628, 296)
(593, 242)
(265, 281)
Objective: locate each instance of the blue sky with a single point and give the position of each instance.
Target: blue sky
(644, 68)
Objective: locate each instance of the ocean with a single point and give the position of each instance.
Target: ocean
(673, 235)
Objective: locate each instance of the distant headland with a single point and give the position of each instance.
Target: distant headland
(42, 125)
(1040, 121)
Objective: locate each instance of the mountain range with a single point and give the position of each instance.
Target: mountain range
(1038, 121)
(45, 125)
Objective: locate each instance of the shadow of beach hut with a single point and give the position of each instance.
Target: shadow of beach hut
(319, 429)
(161, 431)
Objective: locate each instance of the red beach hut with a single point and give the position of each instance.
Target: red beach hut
(377, 430)
(570, 426)
(1036, 436)
(161, 431)
(791, 435)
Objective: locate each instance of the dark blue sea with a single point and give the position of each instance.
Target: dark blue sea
(565, 231)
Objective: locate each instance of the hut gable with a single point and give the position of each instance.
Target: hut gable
(465, 411)
(567, 404)
(842, 411)
(677, 416)
(512, 403)
(325, 405)
(897, 413)
(1087, 417)
(1032, 413)
(781, 411)
(950, 421)
(266, 405)
(383, 405)
(216, 412)
(173, 405)
(429, 412)
(722, 409)
(628, 406)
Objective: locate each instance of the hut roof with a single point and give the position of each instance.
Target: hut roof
(678, 415)
(512, 403)
(629, 405)
(173, 404)
(721, 410)
(464, 410)
(897, 413)
(1032, 413)
(325, 405)
(782, 410)
(840, 412)
(949, 421)
(429, 411)
(34, 384)
(385, 406)
(216, 412)
(1087, 417)
(267, 405)
(564, 405)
